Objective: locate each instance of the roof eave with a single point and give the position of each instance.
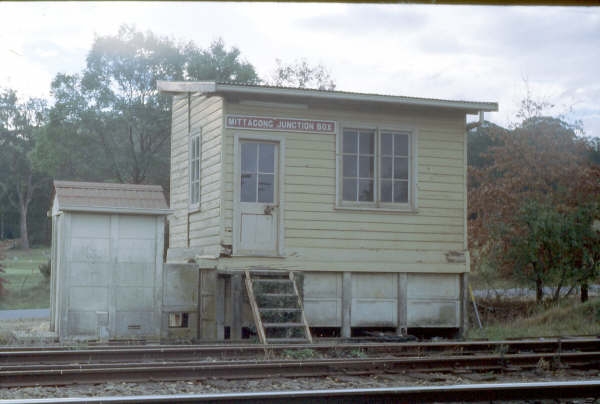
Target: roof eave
(178, 87)
(110, 209)
(469, 106)
(205, 87)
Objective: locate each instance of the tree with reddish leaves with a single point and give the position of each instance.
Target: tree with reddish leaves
(536, 174)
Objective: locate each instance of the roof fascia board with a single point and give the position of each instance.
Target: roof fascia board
(101, 209)
(474, 106)
(176, 87)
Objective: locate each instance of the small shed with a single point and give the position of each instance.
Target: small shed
(107, 259)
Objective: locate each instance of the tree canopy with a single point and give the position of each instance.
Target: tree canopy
(526, 196)
(19, 129)
(108, 121)
(301, 74)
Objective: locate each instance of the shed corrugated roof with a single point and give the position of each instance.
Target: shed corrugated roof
(108, 196)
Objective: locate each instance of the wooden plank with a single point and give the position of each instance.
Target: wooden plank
(402, 304)
(306, 327)
(346, 304)
(255, 311)
(236, 307)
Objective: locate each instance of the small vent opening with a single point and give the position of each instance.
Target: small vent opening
(134, 327)
(178, 320)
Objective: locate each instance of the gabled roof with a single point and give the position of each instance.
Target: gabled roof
(110, 198)
(207, 87)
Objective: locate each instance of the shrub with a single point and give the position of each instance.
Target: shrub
(45, 269)
(2, 280)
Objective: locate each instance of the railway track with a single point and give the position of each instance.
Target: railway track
(137, 353)
(60, 366)
(453, 393)
(61, 374)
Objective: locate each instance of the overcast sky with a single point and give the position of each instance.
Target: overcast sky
(455, 52)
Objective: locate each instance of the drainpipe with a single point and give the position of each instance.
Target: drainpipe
(473, 125)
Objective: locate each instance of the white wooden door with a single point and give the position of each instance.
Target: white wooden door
(258, 212)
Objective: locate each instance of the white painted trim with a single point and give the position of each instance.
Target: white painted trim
(174, 87)
(222, 162)
(266, 104)
(465, 192)
(158, 284)
(194, 207)
(235, 239)
(236, 192)
(338, 166)
(375, 209)
(109, 209)
(377, 205)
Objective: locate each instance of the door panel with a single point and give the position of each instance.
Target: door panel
(258, 214)
(257, 232)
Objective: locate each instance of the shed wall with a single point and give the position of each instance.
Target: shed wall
(109, 272)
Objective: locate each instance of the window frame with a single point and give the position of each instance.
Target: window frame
(377, 204)
(194, 204)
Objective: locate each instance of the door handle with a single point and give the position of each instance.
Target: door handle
(269, 209)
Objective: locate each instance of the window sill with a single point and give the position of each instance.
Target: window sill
(193, 209)
(258, 255)
(376, 209)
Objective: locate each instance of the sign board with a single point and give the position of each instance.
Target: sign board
(280, 124)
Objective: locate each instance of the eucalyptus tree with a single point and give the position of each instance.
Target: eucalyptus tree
(110, 123)
(301, 74)
(20, 181)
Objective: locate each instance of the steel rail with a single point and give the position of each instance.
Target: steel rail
(12, 376)
(414, 394)
(222, 351)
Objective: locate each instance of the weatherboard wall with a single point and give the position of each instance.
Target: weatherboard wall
(320, 237)
(196, 228)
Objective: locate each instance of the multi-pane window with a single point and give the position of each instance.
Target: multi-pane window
(195, 159)
(376, 167)
(395, 167)
(358, 164)
(258, 172)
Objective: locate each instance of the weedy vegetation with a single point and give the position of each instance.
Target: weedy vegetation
(565, 317)
(25, 286)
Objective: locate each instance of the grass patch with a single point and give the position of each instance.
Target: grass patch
(299, 354)
(26, 287)
(567, 317)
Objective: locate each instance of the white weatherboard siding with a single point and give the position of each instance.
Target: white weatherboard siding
(319, 237)
(179, 173)
(207, 114)
(197, 228)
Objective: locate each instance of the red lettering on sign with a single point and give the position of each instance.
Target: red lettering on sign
(281, 124)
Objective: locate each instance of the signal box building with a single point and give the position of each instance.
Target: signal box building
(361, 197)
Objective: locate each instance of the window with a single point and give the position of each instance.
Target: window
(195, 158)
(257, 172)
(376, 168)
(178, 320)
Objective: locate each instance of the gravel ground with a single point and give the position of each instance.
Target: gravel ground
(274, 384)
(28, 331)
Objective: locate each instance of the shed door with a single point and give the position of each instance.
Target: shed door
(258, 198)
(113, 275)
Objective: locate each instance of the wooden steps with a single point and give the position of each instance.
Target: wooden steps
(276, 307)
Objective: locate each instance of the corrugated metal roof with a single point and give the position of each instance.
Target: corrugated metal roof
(94, 196)
(174, 87)
(316, 90)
